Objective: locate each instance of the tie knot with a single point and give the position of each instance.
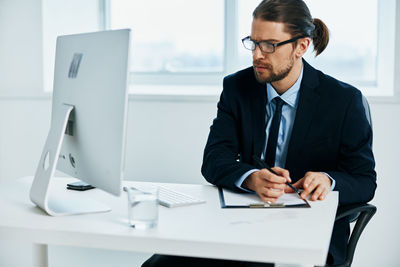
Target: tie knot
(279, 103)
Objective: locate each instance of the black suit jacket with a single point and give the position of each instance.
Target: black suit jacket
(330, 134)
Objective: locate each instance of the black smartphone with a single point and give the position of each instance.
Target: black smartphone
(80, 186)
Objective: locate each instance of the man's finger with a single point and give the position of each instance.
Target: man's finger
(317, 193)
(269, 192)
(324, 194)
(275, 185)
(308, 178)
(269, 176)
(298, 184)
(283, 173)
(288, 189)
(308, 189)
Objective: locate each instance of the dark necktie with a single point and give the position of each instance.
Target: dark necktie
(273, 133)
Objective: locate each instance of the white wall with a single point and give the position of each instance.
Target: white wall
(170, 133)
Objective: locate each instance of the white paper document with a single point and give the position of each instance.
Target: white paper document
(234, 199)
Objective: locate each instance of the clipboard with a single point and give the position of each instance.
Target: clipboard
(249, 200)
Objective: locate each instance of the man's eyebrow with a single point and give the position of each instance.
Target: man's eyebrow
(266, 40)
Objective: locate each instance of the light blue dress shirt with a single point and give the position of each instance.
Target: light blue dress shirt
(291, 98)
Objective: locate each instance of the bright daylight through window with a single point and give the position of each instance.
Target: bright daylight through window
(173, 36)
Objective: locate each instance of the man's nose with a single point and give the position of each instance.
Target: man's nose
(257, 53)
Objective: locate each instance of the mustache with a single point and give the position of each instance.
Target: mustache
(259, 63)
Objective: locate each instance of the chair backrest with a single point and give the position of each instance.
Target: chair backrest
(359, 213)
(353, 217)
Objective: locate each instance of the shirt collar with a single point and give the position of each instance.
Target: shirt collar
(290, 96)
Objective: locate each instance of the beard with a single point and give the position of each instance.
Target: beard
(274, 75)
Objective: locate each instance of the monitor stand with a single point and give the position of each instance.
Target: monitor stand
(60, 203)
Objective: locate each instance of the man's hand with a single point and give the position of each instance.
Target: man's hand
(318, 182)
(267, 185)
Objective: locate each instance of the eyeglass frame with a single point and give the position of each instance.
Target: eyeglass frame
(274, 45)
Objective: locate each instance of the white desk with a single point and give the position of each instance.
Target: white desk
(297, 236)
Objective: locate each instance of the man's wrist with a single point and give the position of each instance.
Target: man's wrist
(240, 182)
(333, 182)
(247, 182)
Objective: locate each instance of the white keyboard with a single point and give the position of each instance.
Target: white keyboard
(171, 198)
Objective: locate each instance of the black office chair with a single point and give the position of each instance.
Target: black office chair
(358, 213)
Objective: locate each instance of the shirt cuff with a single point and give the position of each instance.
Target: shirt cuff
(333, 181)
(240, 181)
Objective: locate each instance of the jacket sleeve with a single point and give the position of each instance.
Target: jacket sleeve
(355, 175)
(221, 165)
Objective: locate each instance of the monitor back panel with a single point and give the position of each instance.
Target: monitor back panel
(91, 74)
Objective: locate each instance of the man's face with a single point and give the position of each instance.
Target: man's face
(276, 66)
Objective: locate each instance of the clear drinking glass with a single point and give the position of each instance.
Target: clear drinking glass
(142, 206)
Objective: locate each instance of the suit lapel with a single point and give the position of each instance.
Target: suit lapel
(259, 102)
(306, 109)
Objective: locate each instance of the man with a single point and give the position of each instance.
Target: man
(310, 127)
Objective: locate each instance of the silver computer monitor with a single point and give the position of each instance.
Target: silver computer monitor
(87, 133)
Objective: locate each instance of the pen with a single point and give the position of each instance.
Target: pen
(265, 165)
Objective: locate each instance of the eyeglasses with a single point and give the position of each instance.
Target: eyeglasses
(266, 47)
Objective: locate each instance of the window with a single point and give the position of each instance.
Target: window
(180, 42)
(173, 36)
(351, 54)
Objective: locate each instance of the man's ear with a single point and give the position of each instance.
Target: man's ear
(302, 46)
